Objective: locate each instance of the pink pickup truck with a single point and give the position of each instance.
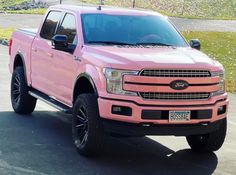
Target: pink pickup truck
(120, 72)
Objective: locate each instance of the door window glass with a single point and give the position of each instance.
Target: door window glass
(50, 25)
(68, 28)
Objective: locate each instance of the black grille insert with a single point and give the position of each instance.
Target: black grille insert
(175, 73)
(175, 96)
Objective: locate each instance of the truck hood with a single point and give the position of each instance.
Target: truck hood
(158, 57)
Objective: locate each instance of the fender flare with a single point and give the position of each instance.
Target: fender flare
(89, 78)
(23, 62)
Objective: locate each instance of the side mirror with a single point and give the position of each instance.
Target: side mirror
(60, 42)
(195, 43)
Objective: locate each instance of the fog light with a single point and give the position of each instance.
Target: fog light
(221, 110)
(116, 109)
(121, 110)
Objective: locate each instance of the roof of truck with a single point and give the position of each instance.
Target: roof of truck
(105, 9)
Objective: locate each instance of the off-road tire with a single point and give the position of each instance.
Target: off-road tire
(88, 123)
(21, 101)
(208, 142)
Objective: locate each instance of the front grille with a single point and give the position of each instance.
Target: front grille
(175, 73)
(174, 96)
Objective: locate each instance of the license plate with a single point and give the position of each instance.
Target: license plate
(179, 116)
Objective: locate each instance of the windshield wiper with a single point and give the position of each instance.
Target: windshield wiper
(109, 43)
(153, 44)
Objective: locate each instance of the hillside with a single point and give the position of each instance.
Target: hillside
(218, 9)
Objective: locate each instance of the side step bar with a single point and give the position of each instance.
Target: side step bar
(50, 101)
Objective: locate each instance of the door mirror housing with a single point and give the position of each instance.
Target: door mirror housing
(60, 42)
(195, 43)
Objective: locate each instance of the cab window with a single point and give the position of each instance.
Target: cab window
(68, 28)
(50, 25)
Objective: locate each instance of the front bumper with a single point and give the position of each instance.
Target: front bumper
(132, 123)
(137, 110)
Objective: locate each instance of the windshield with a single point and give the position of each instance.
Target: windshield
(130, 30)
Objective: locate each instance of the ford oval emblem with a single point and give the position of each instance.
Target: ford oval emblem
(179, 84)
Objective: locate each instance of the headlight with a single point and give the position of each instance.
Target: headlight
(221, 84)
(114, 80)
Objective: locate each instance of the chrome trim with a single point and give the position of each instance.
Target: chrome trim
(175, 73)
(175, 96)
(46, 101)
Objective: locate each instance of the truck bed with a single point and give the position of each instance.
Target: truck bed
(22, 43)
(28, 31)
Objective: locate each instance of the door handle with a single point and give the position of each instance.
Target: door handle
(50, 55)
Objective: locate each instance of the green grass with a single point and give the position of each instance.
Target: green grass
(208, 9)
(222, 47)
(6, 33)
(38, 11)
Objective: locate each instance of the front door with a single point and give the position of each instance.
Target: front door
(42, 55)
(64, 64)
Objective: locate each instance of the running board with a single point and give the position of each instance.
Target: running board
(50, 101)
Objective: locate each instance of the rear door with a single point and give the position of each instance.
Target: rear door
(66, 67)
(42, 54)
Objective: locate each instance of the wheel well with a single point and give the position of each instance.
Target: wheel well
(18, 62)
(83, 86)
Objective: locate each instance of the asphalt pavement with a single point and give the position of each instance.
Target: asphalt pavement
(41, 144)
(33, 21)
